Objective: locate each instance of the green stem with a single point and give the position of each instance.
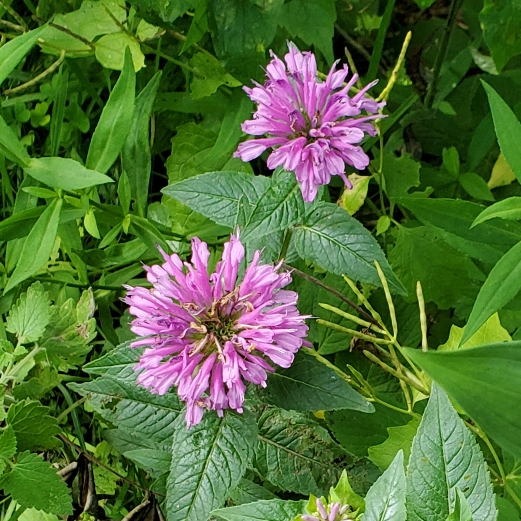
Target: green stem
(394, 408)
(70, 409)
(440, 58)
(380, 40)
(285, 244)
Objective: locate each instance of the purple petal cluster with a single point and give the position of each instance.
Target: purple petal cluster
(312, 125)
(208, 334)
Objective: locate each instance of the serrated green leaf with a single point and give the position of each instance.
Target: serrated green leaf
(64, 173)
(385, 500)
(400, 439)
(38, 245)
(309, 385)
(265, 510)
(208, 460)
(279, 207)
(33, 483)
(502, 285)
(209, 75)
(115, 121)
(507, 127)
(8, 446)
(217, 195)
(247, 492)
(475, 378)
(509, 208)
(295, 453)
(29, 317)
(157, 462)
(399, 174)
(34, 428)
(445, 456)
(118, 398)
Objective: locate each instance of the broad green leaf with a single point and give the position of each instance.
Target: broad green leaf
(279, 207)
(461, 510)
(421, 255)
(12, 53)
(265, 510)
(385, 500)
(198, 27)
(136, 155)
(445, 456)
(34, 428)
(295, 453)
(309, 385)
(30, 315)
(19, 224)
(476, 186)
(111, 48)
(507, 126)
(38, 245)
(118, 398)
(217, 195)
(352, 199)
(501, 22)
(476, 378)
(167, 11)
(10, 145)
(400, 439)
(33, 483)
(7, 446)
(502, 285)
(157, 462)
(509, 208)
(399, 174)
(208, 460)
(337, 242)
(115, 121)
(343, 493)
(64, 173)
(491, 332)
(313, 22)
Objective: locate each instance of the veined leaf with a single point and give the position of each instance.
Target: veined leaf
(502, 285)
(38, 245)
(308, 385)
(265, 510)
(217, 195)
(480, 378)
(508, 129)
(12, 53)
(509, 208)
(115, 121)
(64, 173)
(444, 457)
(208, 460)
(338, 243)
(385, 500)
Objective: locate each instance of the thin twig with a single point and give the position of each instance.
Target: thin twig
(15, 15)
(11, 25)
(331, 290)
(35, 80)
(77, 285)
(106, 467)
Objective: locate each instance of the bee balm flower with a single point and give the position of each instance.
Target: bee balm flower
(312, 126)
(209, 334)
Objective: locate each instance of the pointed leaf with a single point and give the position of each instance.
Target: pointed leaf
(502, 285)
(10, 145)
(461, 510)
(338, 243)
(445, 456)
(208, 460)
(385, 500)
(309, 385)
(38, 245)
(509, 208)
(115, 121)
(508, 129)
(480, 378)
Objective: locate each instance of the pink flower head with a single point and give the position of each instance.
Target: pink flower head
(312, 126)
(209, 334)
